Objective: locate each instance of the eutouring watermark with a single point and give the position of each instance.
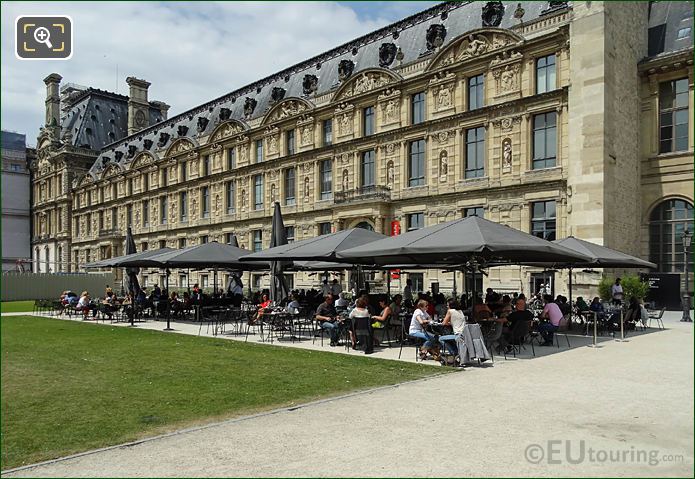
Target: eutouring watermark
(565, 451)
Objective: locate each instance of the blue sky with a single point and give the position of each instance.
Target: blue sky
(191, 52)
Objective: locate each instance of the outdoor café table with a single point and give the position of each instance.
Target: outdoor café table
(279, 322)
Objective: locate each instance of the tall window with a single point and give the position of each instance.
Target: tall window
(101, 221)
(114, 219)
(259, 151)
(183, 206)
(475, 152)
(114, 191)
(478, 211)
(257, 240)
(130, 187)
(146, 212)
(327, 132)
(230, 192)
(368, 121)
(205, 201)
(545, 74)
(289, 232)
(368, 168)
(145, 182)
(543, 221)
(183, 171)
(476, 92)
(165, 177)
(182, 243)
(290, 186)
(231, 158)
(324, 228)
(544, 140)
(673, 116)
(258, 192)
(667, 223)
(417, 107)
(206, 165)
(326, 176)
(290, 142)
(204, 239)
(228, 238)
(415, 221)
(163, 212)
(416, 163)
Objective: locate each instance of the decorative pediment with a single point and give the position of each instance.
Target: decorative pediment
(227, 129)
(86, 179)
(475, 44)
(366, 81)
(143, 159)
(111, 170)
(180, 146)
(286, 108)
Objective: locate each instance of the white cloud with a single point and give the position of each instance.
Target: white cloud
(190, 52)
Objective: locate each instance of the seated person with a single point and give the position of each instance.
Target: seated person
(513, 333)
(341, 303)
(633, 313)
(380, 321)
(505, 307)
(581, 305)
(418, 323)
(263, 308)
(565, 307)
(293, 305)
(552, 313)
(597, 307)
(361, 325)
(327, 317)
(85, 305)
(176, 304)
(455, 319)
(481, 311)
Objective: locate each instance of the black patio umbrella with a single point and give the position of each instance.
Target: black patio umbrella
(471, 239)
(278, 284)
(319, 248)
(117, 261)
(206, 255)
(601, 256)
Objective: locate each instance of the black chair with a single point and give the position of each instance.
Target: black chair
(561, 330)
(658, 317)
(517, 337)
(493, 337)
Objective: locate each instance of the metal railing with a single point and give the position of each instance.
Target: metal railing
(362, 193)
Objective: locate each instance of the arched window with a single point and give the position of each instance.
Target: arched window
(666, 226)
(365, 226)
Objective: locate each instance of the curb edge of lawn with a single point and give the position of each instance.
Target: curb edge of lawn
(223, 423)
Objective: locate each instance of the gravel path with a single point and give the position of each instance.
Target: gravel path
(631, 403)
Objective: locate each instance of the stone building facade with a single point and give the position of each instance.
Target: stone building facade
(539, 115)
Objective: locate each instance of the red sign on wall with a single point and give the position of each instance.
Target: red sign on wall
(395, 231)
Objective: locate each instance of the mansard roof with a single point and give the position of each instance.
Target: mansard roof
(670, 27)
(412, 39)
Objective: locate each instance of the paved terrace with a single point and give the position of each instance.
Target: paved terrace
(633, 399)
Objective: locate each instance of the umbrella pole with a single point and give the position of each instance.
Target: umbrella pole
(570, 294)
(388, 283)
(454, 292)
(168, 328)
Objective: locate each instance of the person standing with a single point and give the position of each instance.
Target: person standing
(617, 292)
(408, 292)
(336, 288)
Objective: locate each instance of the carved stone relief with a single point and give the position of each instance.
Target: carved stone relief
(306, 135)
(390, 175)
(346, 180)
(306, 188)
(366, 82)
(506, 79)
(286, 109)
(507, 153)
(390, 110)
(443, 165)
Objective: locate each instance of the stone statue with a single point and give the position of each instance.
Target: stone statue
(476, 46)
(507, 79)
(273, 193)
(218, 204)
(244, 200)
(306, 134)
(345, 124)
(390, 175)
(507, 152)
(272, 144)
(306, 188)
(443, 165)
(346, 180)
(390, 111)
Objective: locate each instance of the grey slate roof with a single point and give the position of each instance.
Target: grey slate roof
(97, 118)
(666, 19)
(457, 17)
(13, 141)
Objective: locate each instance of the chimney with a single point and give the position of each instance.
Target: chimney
(138, 106)
(52, 82)
(162, 107)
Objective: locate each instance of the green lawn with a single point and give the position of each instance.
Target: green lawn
(17, 306)
(69, 387)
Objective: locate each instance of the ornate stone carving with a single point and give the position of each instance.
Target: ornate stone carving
(435, 36)
(387, 53)
(181, 146)
(391, 110)
(132, 149)
(194, 207)
(391, 148)
(507, 78)
(365, 82)
(249, 106)
(244, 153)
(310, 84)
(226, 130)
(344, 158)
(244, 200)
(217, 205)
(273, 193)
(492, 14)
(390, 175)
(163, 139)
(345, 68)
(505, 57)
(147, 144)
(507, 123)
(272, 141)
(444, 97)
(442, 136)
(182, 130)
(344, 119)
(286, 109)
(225, 114)
(443, 165)
(507, 152)
(306, 136)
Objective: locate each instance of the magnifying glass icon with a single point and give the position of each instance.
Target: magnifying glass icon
(42, 35)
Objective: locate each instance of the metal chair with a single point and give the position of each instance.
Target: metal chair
(658, 317)
(562, 329)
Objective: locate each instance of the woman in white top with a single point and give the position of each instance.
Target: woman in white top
(457, 320)
(617, 292)
(417, 327)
